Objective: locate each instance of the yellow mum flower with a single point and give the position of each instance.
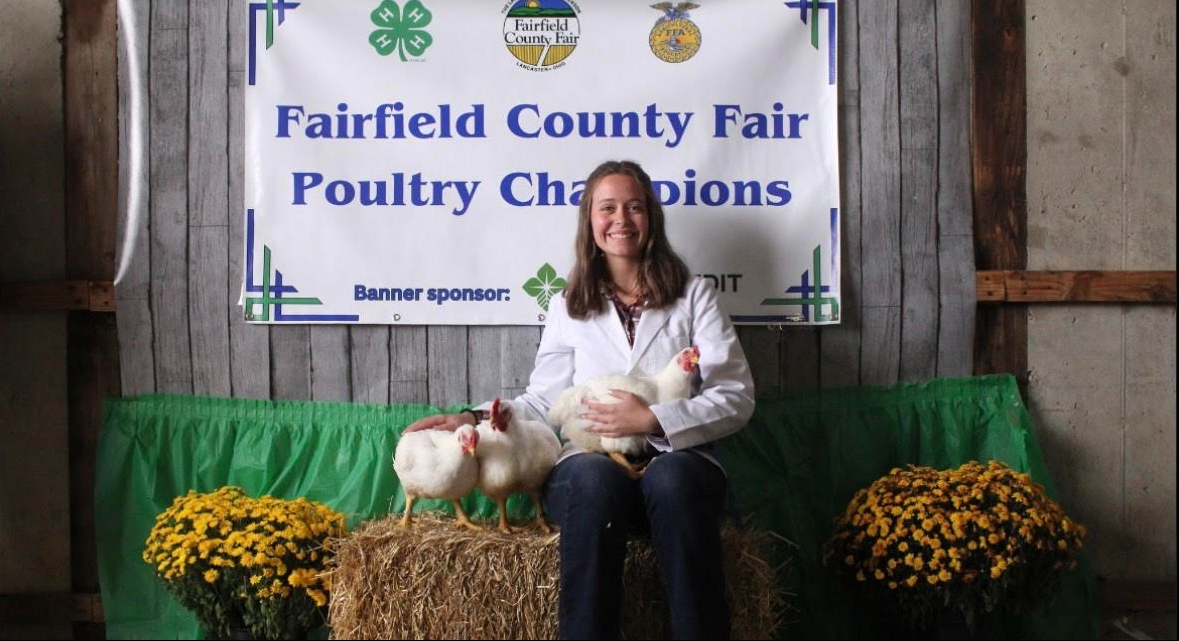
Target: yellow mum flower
(211, 575)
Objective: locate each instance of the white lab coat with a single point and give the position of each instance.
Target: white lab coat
(572, 351)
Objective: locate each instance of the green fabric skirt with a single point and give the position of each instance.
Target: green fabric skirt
(792, 470)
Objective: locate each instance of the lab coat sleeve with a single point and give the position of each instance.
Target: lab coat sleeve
(725, 401)
(552, 372)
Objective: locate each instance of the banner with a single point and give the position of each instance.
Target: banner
(421, 162)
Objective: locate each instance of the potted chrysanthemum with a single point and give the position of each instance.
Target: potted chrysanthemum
(974, 540)
(246, 566)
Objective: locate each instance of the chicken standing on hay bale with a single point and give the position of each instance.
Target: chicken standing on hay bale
(515, 455)
(435, 464)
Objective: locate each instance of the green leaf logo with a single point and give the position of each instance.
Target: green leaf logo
(545, 285)
(399, 31)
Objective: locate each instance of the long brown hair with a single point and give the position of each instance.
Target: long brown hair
(662, 273)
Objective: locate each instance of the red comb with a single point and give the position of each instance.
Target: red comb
(497, 416)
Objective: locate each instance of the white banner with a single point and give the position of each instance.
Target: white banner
(420, 162)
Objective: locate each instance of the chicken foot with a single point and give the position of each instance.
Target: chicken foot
(460, 517)
(627, 466)
(541, 521)
(409, 499)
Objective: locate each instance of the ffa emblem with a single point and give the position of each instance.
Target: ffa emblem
(675, 38)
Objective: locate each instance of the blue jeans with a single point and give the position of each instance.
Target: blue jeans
(679, 501)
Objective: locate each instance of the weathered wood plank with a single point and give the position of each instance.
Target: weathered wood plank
(93, 376)
(880, 155)
(290, 362)
(169, 206)
(800, 360)
(168, 14)
(1076, 286)
(208, 113)
(955, 344)
(208, 185)
(91, 125)
(136, 371)
(408, 365)
(839, 357)
(239, 43)
(45, 295)
(919, 260)
(136, 358)
(919, 139)
(484, 355)
(880, 194)
(763, 351)
(955, 215)
(880, 362)
(90, 72)
(331, 353)
(249, 344)
(917, 47)
(517, 356)
(208, 309)
(370, 363)
(999, 135)
(447, 353)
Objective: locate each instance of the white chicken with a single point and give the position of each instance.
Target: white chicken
(438, 464)
(674, 382)
(515, 455)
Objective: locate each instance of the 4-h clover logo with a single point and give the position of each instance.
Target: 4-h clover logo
(545, 285)
(401, 31)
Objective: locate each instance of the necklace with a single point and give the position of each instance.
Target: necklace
(629, 296)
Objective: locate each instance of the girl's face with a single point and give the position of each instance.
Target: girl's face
(618, 216)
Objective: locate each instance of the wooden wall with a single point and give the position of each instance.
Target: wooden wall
(908, 272)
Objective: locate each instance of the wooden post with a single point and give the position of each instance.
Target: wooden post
(999, 121)
(91, 151)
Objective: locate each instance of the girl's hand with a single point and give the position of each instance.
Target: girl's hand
(630, 416)
(448, 422)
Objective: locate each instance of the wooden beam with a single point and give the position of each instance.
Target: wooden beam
(85, 607)
(997, 286)
(91, 114)
(58, 295)
(999, 136)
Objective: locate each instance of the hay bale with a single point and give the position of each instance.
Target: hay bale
(435, 581)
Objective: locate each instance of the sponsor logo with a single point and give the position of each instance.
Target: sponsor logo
(401, 31)
(541, 34)
(674, 38)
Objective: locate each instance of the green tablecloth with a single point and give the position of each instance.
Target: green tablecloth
(792, 470)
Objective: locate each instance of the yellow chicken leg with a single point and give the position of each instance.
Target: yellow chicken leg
(409, 499)
(503, 516)
(541, 522)
(630, 470)
(460, 517)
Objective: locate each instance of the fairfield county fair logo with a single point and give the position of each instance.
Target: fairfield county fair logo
(674, 38)
(541, 34)
(401, 32)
